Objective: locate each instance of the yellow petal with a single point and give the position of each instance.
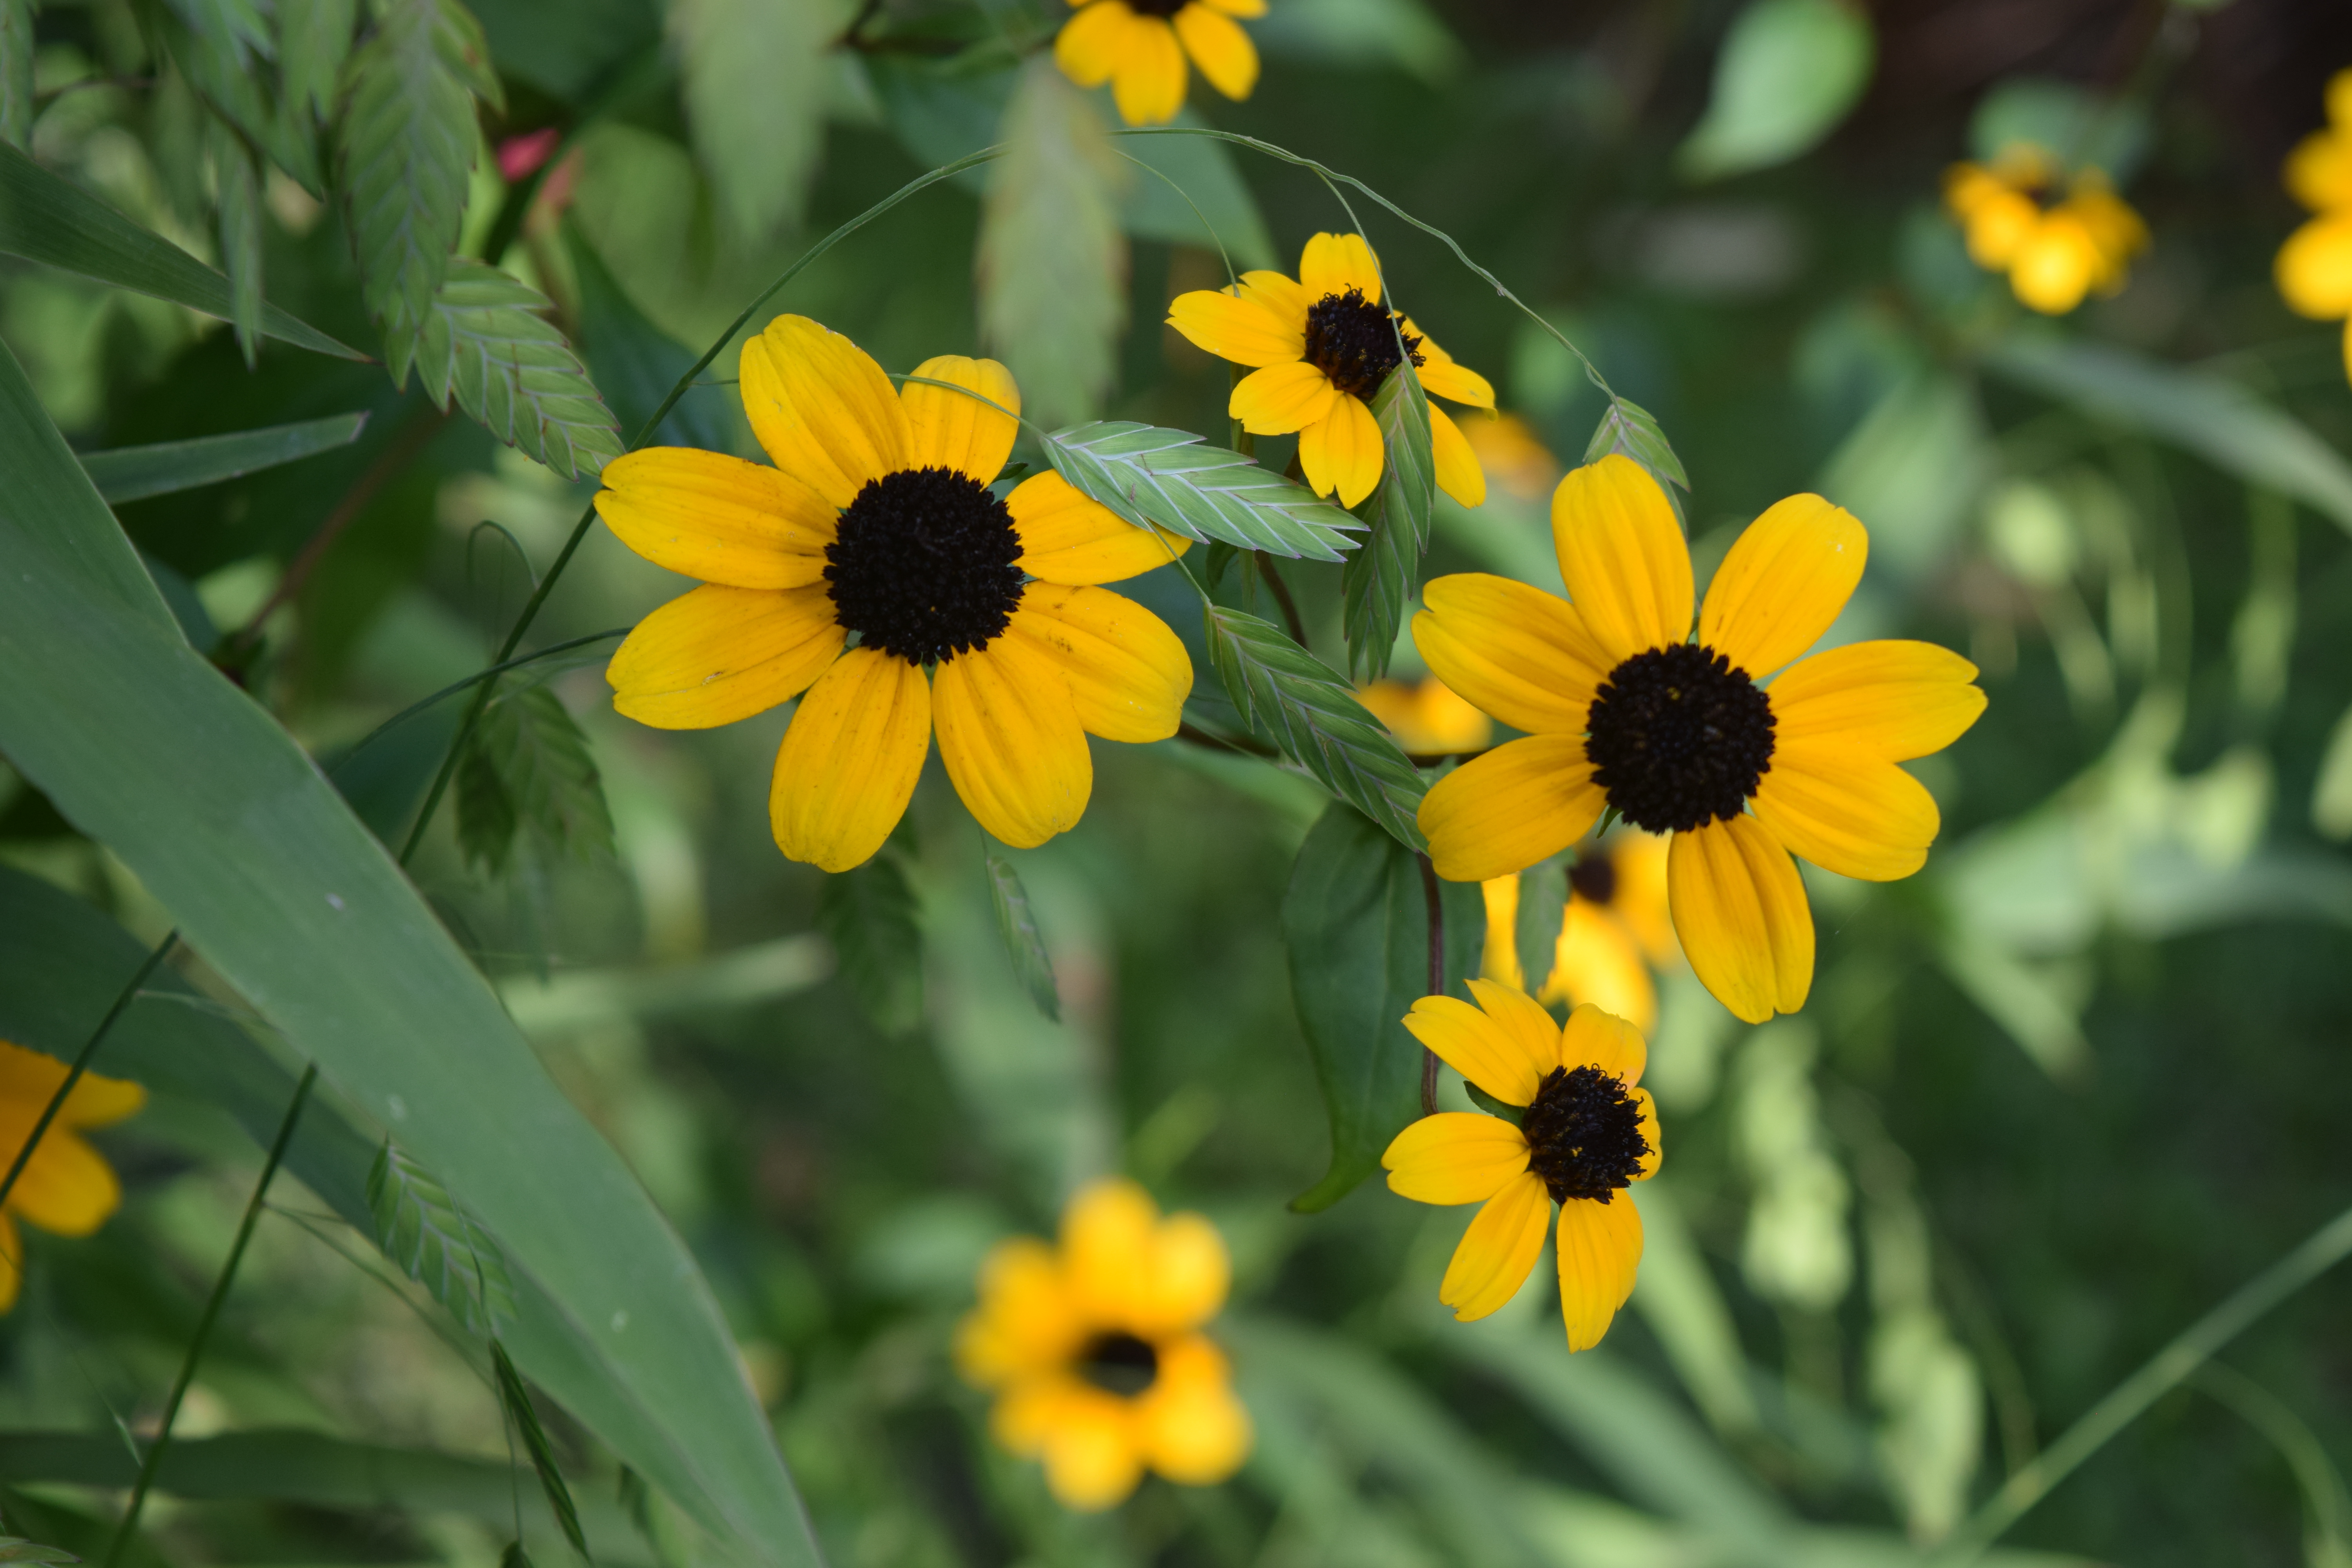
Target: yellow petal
(1026, 1323)
(1189, 1426)
(1283, 398)
(822, 408)
(1481, 1049)
(1594, 1038)
(1189, 1273)
(1739, 909)
(1498, 957)
(1638, 860)
(12, 1262)
(1341, 451)
(1219, 46)
(1238, 8)
(1093, 1456)
(1066, 537)
(1517, 652)
(1788, 574)
(2314, 267)
(2056, 265)
(1505, 811)
(1148, 82)
(1092, 44)
(1596, 960)
(948, 430)
(1458, 473)
(1622, 557)
(1238, 326)
(1010, 736)
(849, 763)
(1499, 1251)
(720, 654)
(1107, 1236)
(1998, 227)
(1281, 294)
(1600, 1249)
(1129, 673)
(2320, 171)
(1442, 375)
(1334, 263)
(33, 1076)
(1847, 810)
(1454, 1157)
(66, 1187)
(1896, 699)
(717, 517)
(1523, 1019)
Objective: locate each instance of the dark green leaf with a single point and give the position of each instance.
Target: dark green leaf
(241, 93)
(237, 205)
(1355, 926)
(1789, 73)
(1312, 716)
(314, 39)
(869, 915)
(134, 473)
(756, 74)
(1191, 192)
(633, 362)
(1150, 475)
(15, 71)
(528, 773)
(1016, 922)
(1630, 428)
(485, 344)
(419, 1227)
(17, 1549)
(514, 1556)
(237, 26)
(1543, 910)
(525, 1415)
(1379, 578)
(46, 218)
(1220, 559)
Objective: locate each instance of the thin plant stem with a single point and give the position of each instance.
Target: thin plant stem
(1435, 898)
(454, 686)
(1281, 596)
(154, 1459)
(122, 1004)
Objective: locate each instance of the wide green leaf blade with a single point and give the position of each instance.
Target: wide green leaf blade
(134, 473)
(46, 218)
(1150, 475)
(148, 750)
(1379, 578)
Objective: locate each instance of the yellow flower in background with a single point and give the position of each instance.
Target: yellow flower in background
(66, 1187)
(2314, 264)
(1513, 456)
(1622, 709)
(1428, 718)
(1095, 1352)
(878, 519)
(1586, 1131)
(1319, 348)
(2055, 250)
(1614, 931)
(1139, 47)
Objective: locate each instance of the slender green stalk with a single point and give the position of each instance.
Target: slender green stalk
(122, 1001)
(454, 686)
(154, 1459)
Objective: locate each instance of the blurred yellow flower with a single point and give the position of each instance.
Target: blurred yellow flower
(1428, 718)
(1586, 1132)
(1319, 348)
(1095, 1351)
(1513, 456)
(1614, 931)
(1139, 47)
(66, 1187)
(2055, 250)
(2314, 264)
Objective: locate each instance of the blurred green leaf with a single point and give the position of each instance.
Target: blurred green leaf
(756, 72)
(239, 24)
(1052, 263)
(420, 1227)
(45, 217)
(2331, 792)
(16, 104)
(1355, 930)
(1378, 577)
(238, 88)
(516, 1398)
(1542, 911)
(570, 49)
(1016, 922)
(1150, 475)
(1789, 71)
(1633, 430)
(2100, 130)
(485, 343)
(238, 203)
(135, 473)
(1214, 207)
(17, 1549)
(869, 915)
(1294, 700)
(1400, 35)
(1677, 1296)
(528, 773)
(314, 39)
(633, 363)
(1912, 470)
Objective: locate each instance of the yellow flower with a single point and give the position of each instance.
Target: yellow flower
(878, 519)
(1139, 47)
(1427, 719)
(1587, 1131)
(2055, 250)
(1622, 708)
(1321, 346)
(1614, 931)
(2314, 264)
(1095, 1351)
(66, 1187)
(1508, 448)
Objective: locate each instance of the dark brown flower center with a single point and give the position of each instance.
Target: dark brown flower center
(1593, 878)
(1119, 1364)
(1354, 342)
(1584, 1134)
(1679, 738)
(923, 565)
(1157, 7)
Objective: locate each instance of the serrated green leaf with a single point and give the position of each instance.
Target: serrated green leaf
(241, 26)
(17, 1549)
(528, 773)
(134, 473)
(1016, 922)
(1789, 71)
(1312, 716)
(1147, 475)
(485, 343)
(314, 39)
(869, 915)
(1631, 429)
(525, 1415)
(1543, 910)
(755, 89)
(236, 89)
(1052, 261)
(420, 1227)
(238, 211)
(1379, 578)
(16, 104)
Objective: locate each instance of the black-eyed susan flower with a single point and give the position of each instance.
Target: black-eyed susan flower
(2315, 266)
(1614, 931)
(2056, 248)
(66, 1187)
(1623, 709)
(979, 617)
(1585, 1131)
(1140, 47)
(1427, 718)
(1319, 346)
(1095, 1352)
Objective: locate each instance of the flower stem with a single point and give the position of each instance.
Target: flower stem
(1435, 899)
(82, 1062)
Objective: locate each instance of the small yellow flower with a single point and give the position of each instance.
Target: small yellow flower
(2055, 250)
(1139, 47)
(1622, 707)
(1094, 1350)
(2314, 264)
(1427, 719)
(1510, 452)
(878, 521)
(1614, 931)
(66, 1187)
(1319, 348)
(1587, 1131)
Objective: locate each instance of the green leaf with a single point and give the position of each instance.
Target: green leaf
(528, 773)
(632, 362)
(314, 39)
(289, 901)
(239, 26)
(525, 1415)
(239, 91)
(17, 105)
(1377, 579)
(1355, 926)
(485, 343)
(756, 78)
(1292, 698)
(1912, 470)
(420, 1227)
(1190, 192)
(870, 915)
(1543, 910)
(237, 207)
(1016, 922)
(1150, 475)
(17, 1549)
(1633, 430)
(46, 218)
(1789, 71)
(1051, 262)
(134, 473)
